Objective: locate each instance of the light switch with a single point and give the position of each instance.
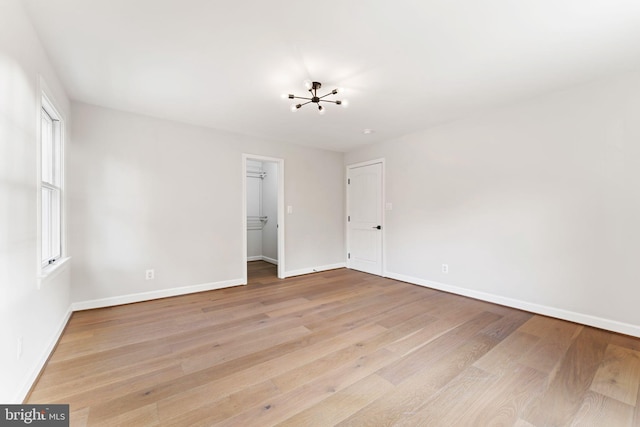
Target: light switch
(389, 206)
(289, 209)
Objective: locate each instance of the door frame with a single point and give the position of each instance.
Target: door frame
(382, 209)
(280, 204)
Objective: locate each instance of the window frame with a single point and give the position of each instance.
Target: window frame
(52, 183)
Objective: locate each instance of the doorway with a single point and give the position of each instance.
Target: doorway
(263, 216)
(365, 216)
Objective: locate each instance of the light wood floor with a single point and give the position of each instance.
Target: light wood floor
(337, 348)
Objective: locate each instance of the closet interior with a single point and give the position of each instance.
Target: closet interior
(262, 211)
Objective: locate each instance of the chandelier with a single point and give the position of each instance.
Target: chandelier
(313, 90)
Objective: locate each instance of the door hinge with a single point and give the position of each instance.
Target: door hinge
(349, 256)
(349, 218)
(349, 181)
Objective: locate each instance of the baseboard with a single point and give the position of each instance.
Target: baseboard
(146, 296)
(262, 258)
(571, 316)
(309, 270)
(42, 360)
(270, 260)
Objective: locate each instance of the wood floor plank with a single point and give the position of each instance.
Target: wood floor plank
(625, 341)
(618, 377)
(212, 408)
(443, 408)
(600, 410)
(115, 337)
(79, 417)
(102, 362)
(522, 423)
(509, 322)
(339, 347)
(410, 396)
(294, 377)
(413, 362)
(566, 391)
(507, 353)
(342, 404)
(143, 416)
(555, 338)
(381, 305)
(505, 401)
(163, 388)
(308, 394)
(211, 355)
(198, 334)
(430, 331)
(636, 412)
(110, 386)
(404, 311)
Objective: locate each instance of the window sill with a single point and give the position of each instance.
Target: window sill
(49, 272)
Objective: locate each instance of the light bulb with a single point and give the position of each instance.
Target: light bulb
(294, 107)
(321, 109)
(284, 95)
(308, 84)
(344, 103)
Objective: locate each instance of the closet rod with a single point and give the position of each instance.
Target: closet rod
(252, 174)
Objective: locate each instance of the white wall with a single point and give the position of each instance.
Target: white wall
(34, 314)
(149, 193)
(538, 203)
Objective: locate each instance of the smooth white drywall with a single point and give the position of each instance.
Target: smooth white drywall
(25, 311)
(538, 202)
(153, 194)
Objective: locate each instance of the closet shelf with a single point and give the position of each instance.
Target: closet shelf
(256, 222)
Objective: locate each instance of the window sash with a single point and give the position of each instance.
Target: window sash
(51, 224)
(50, 188)
(50, 150)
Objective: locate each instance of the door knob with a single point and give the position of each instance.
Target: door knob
(378, 227)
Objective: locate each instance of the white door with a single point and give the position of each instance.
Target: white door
(364, 218)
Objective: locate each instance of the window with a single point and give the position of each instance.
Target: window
(51, 184)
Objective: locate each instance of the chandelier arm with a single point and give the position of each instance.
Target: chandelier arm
(301, 97)
(330, 93)
(328, 100)
(303, 104)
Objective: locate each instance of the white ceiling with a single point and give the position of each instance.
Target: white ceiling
(406, 65)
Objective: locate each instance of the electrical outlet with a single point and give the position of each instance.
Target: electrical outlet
(149, 274)
(445, 268)
(19, 348)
